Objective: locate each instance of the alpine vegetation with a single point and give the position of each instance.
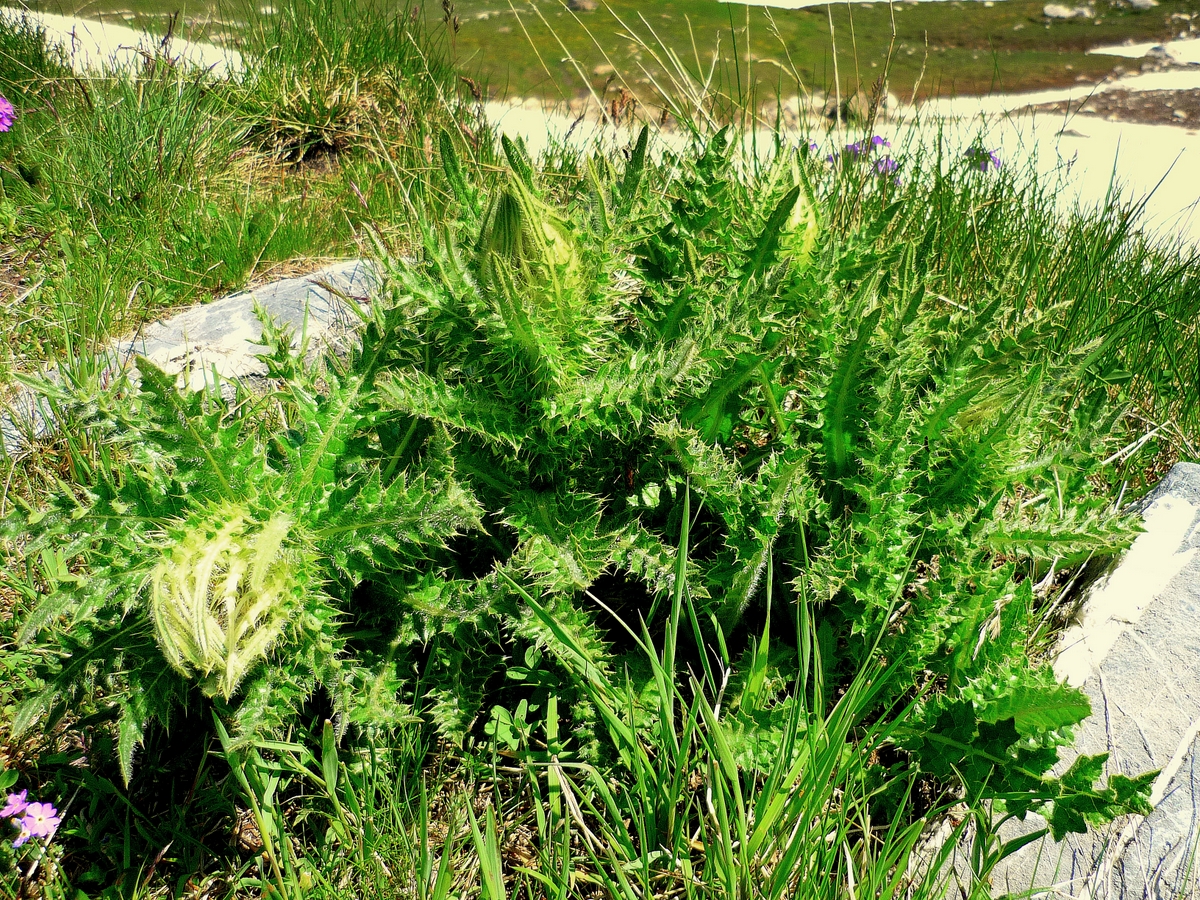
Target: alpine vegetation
(681, 522)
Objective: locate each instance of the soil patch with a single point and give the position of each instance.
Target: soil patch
(1180, 108)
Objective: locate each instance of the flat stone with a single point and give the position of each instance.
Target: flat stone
(1060, 11)
(219, 340)
(1158, 861)
(1136, 654)
(222, 336)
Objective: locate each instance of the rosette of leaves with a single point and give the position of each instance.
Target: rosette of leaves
(221, 546)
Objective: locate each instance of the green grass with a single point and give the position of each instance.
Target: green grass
(930, 48)
(1132, 296)
(642, 551)
(124, 196)
(953, 47)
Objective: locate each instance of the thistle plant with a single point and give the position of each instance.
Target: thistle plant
(558, 382)
(221, 553)
(851, 441)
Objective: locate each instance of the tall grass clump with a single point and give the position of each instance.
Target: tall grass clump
(110, 176)
(141, 187)
(27, 64)
(110, 172)
(329, 75)
(1129, 294)
(687, 488)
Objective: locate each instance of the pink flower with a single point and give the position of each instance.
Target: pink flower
(8, 114)
(16, 805)
(41, 819)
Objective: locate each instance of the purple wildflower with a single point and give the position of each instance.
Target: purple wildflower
(885, 166)
(41, 819)
(16, 805)
(977, 156)
(23, 836)
(812, 147)
(8, 114)
(862, 148)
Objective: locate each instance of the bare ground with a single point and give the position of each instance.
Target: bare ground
(1181, 108)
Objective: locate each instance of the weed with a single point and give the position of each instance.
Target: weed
(685, 524)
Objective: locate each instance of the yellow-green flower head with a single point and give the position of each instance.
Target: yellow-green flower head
(800, 232)
(222, 596)
(523, 238)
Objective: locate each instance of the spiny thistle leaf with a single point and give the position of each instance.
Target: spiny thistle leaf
(768, 242)
(330, 422)
(452, 168)
(1039, 708)
(842, 417)
(634, 170)
(518, 159)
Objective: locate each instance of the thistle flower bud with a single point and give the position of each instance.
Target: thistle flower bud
(800, 233)
(222, 597)
(526, 237)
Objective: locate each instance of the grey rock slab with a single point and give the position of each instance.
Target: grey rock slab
(1136, 654)
(1158, 862)
(223, 336)
(220, 339)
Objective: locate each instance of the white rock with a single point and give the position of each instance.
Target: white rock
(1185, 51)
(1059, 11)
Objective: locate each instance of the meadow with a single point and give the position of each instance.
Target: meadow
(687, 523)
(540, 48)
